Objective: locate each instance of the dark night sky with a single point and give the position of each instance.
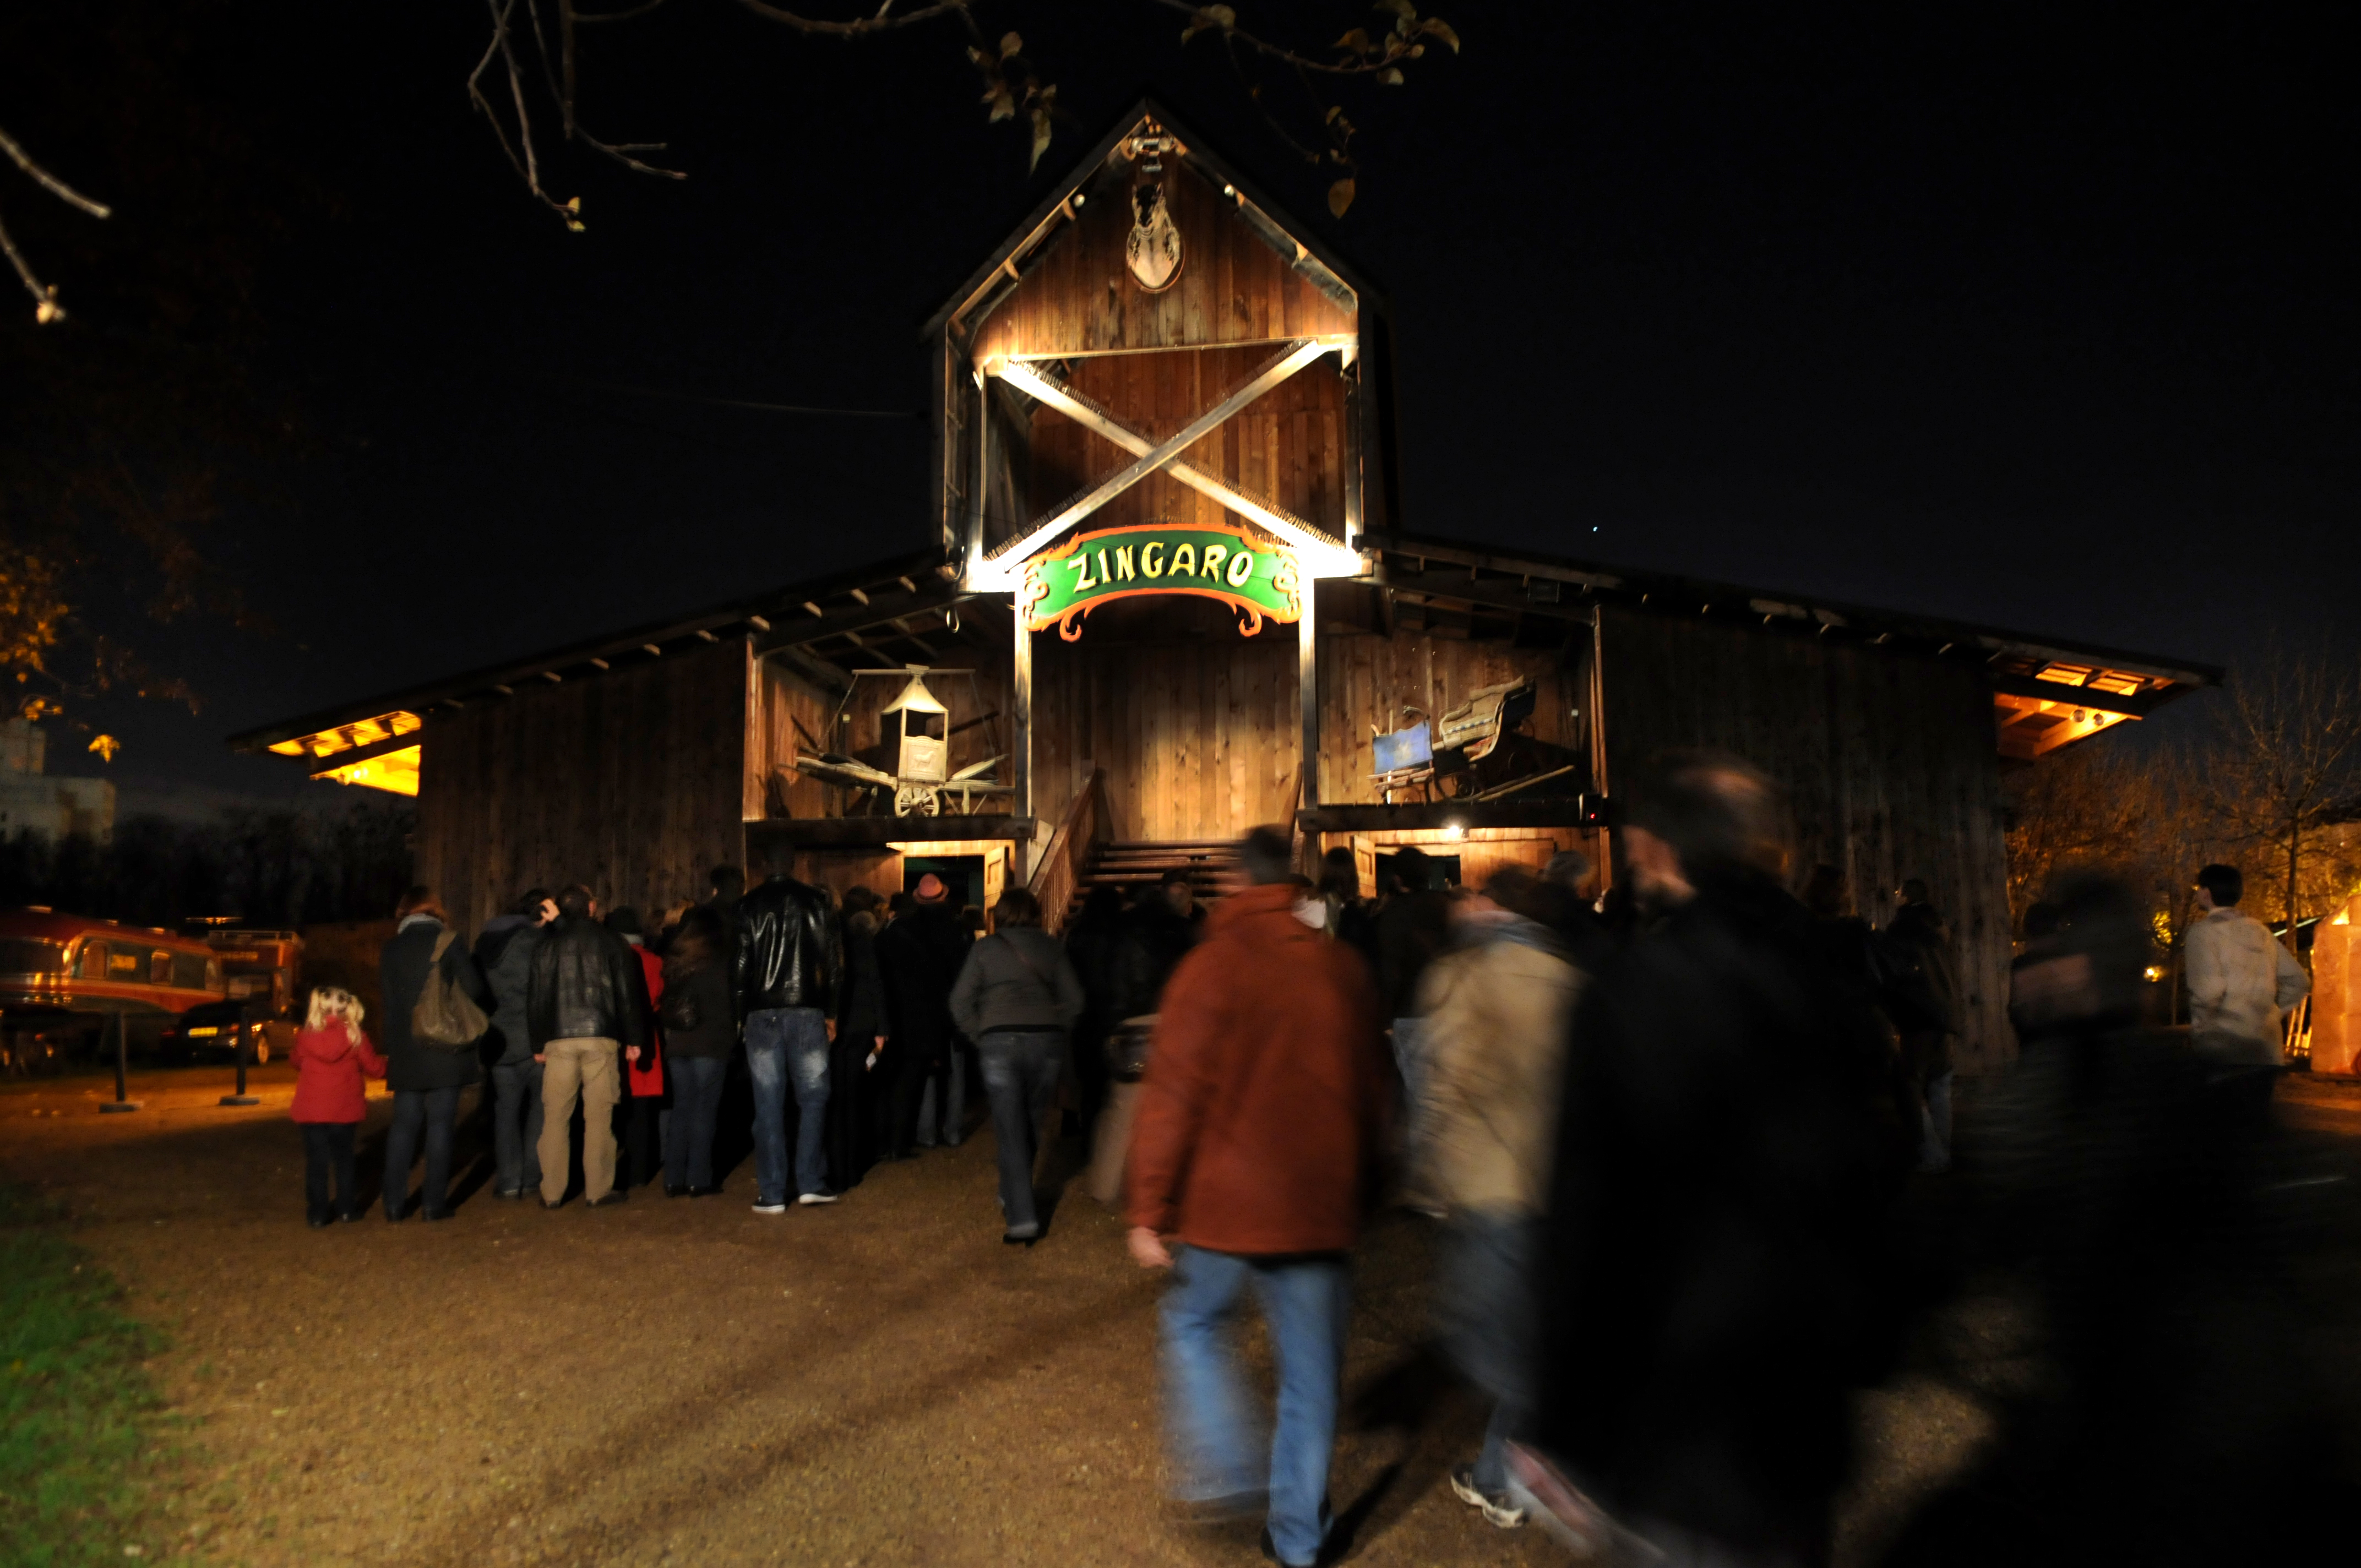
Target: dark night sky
(1992, 312)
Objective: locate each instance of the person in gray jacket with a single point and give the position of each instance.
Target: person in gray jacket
(504, 952)
(1018, 998)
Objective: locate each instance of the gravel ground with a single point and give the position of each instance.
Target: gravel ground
(688, 1382)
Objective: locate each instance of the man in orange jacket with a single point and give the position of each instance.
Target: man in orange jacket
(1256, 1152)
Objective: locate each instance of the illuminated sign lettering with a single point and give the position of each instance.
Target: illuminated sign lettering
(1257, 580)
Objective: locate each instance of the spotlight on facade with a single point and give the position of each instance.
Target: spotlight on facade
(1453, 831)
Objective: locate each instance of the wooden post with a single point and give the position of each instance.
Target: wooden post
(982, 482)
(122, 1101)
(1355, 454)
(1307, 695)
(1020, 764)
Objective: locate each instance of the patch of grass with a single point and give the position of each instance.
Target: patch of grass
(80, 1439)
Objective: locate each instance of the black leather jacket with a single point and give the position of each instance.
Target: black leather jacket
(585, 984)
(789, 953)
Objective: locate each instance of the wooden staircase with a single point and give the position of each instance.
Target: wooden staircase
(1137, 866)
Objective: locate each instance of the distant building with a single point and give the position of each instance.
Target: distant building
(32, 801)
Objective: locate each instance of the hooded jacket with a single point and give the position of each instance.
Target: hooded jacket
(331, 1065)
(1262, 1115)
(411, 1068)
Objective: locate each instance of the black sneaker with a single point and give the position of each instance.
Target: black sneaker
(609, 1201)
(672, 1191)
(317, 1222)
(825, 1195)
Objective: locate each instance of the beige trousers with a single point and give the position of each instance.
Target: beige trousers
(584, 1068)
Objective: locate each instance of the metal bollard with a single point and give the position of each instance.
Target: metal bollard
(122, 1102)
(245, 1054)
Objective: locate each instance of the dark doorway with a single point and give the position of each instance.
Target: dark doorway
(962, 874)
(1443, 870)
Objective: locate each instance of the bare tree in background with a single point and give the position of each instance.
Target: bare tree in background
(538, 48)
(2287, 756)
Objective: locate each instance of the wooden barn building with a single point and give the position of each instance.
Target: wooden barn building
(1168, 592)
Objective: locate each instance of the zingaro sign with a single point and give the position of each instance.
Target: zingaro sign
(1256, 580)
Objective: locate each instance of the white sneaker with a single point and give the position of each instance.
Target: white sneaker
(822, 1196)
(1497, 1512)
(763, 1208)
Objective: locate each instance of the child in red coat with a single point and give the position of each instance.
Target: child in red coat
(332, 1058)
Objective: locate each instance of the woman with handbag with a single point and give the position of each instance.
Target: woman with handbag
(1018, 998)
(426, 961)
(699, 1032)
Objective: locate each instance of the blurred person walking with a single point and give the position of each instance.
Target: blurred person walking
(858, 1104)
(1255, 1155)
(586, 1004)
(1923, 1000)
(1095, 947)
(788, 959)
(2241, 981)
(1412, 926)
(504, 951)
(1496, 1007)
(332, 1060)
(644, 1087)
(700, 1026)
(1710, 1266)
(1017, 997)
(426, 1075)
(920, 956)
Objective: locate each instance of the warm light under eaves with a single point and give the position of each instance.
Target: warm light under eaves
(351, 737)
(396, 773)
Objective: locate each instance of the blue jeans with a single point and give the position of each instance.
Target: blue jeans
(1216, 1440)
(779, 1040)
(947, 1090)
(1485, 1308)
(516, 1125)
(1020, 1076)
(696, 1107)
(437, 1110)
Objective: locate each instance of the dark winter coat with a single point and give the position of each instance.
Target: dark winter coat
(788, 952)
(504, 952)
(1710, 1265)
(1154, 941)
(401, 975)
(919, 957)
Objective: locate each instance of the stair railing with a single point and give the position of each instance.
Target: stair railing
(1070, 853)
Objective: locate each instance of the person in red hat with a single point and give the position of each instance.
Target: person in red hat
(921, 954)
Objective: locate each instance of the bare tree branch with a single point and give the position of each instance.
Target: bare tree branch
(861, 27)
(46, 309)
(587, 17)
(50, 183)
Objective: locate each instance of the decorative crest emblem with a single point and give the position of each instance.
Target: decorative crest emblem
(1153, 249)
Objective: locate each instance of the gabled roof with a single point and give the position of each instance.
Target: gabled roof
(883, 615)
(1038, 226)
(2046, 691)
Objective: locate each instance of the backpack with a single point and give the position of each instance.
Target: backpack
(446, 1017)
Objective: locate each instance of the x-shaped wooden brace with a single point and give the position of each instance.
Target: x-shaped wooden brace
(1149, 456)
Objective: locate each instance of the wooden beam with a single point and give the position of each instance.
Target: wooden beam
(1293, 529)
(1411, 817)
(1020, 764)
(857, 832)
(1307, 695)
(1302, 352)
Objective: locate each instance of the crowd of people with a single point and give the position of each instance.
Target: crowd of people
(1664, 1131)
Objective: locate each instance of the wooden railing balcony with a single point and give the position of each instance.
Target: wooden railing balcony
(1071, 852)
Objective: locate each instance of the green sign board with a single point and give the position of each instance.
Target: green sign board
(1259, 581)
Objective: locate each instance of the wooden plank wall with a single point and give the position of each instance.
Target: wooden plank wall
(630, 782)
(1079, 297)
(1196, 726)
(1286, 447)
(783, 697)
(1887, 761)
(1366, 679)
